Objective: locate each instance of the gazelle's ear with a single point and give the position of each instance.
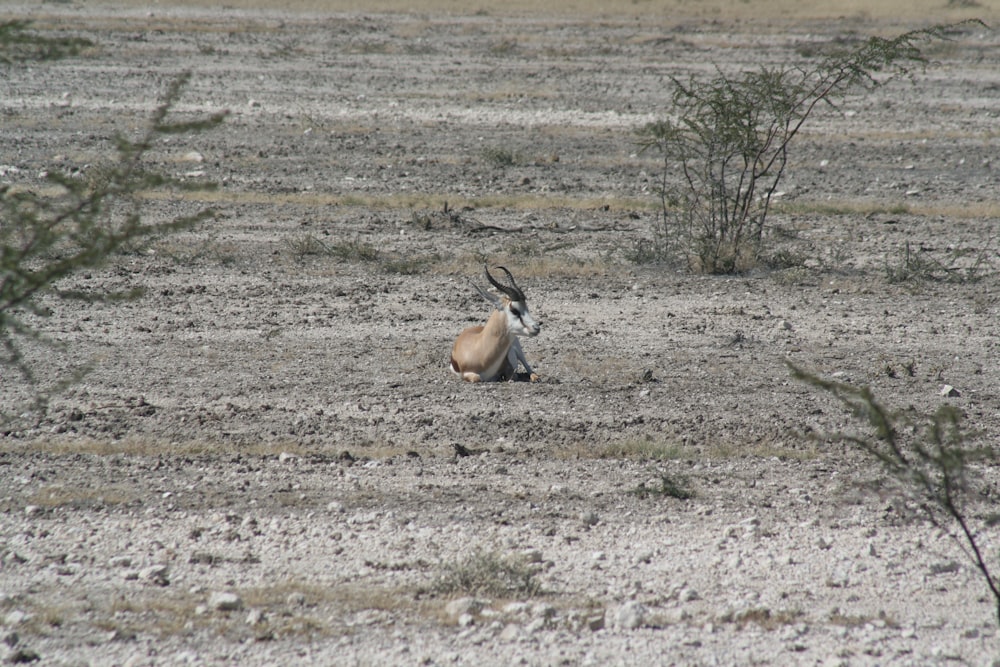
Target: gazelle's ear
(489, 297)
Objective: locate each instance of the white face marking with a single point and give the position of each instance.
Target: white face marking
(519, 320)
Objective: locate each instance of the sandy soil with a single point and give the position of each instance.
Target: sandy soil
(275, 420)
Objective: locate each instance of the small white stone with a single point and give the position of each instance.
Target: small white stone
(15, 617)
(463, 606)
(688, 595)
(514, 608)
(225, 601)
(534, 626)
(156, 574)
(543, 610)
(510, 633)
(630, 615)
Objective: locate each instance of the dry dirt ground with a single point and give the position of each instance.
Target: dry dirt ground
(261, 466)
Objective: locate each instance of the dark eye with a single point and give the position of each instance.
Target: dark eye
(515, 311)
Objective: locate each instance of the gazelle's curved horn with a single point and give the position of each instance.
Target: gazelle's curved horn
(512, 290)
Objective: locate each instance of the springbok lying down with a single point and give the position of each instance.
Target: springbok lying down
(492, 352)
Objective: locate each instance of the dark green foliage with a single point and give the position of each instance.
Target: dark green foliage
(76, 225)
(725, 153)
(929, 457)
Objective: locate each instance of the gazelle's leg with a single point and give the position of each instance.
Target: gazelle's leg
(516, 354)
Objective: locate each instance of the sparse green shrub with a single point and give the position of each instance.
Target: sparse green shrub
(960, 265)
(488, 574)
(77, 224)
(310, 245)
(500, 157)
(668, 487)
(929, 458)
(724, 153)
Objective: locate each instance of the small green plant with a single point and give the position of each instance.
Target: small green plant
(488, 574)
(500, 157)
(724, 154)
(929, 458)
(310, 245)
(668, 487)
(79, 224)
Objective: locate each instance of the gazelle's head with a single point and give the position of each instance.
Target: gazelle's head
(512, 304)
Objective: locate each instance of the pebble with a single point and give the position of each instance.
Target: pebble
(630, 615)
(533, 556)
(225, 601)
(595, 621)
(688, 595)
(543, 610)
(515, 608)
(463, 606)
(14, 618)
(535, 625)
(155, 574)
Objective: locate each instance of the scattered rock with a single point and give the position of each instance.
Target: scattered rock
(462, 606)
(948, 567)
(14, 618)
(23, 656)
(155, 574)
(630, 615)
(595, 621)
(225, 601)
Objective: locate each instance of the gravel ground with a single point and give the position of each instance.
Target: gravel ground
(270, 463)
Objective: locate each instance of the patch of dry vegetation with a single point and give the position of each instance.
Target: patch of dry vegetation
(670, 10)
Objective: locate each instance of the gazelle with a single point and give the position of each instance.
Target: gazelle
(492, 351)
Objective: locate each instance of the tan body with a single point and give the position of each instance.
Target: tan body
(492, 351)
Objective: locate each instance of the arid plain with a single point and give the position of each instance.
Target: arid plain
(262, 466)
